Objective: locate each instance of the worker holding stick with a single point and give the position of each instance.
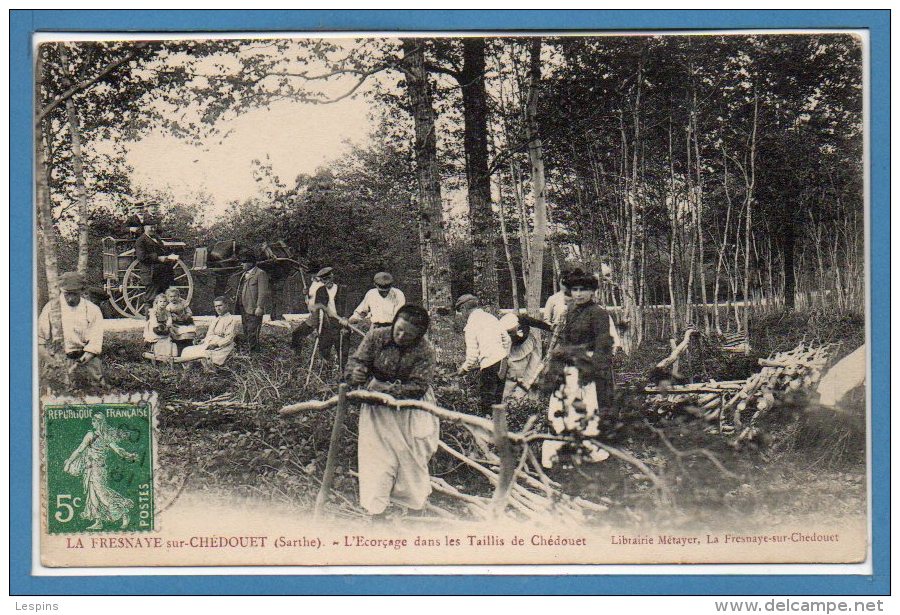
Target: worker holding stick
(325, 323)
(395, 445)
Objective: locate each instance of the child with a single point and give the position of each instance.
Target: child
(181, 320)
(156, 330)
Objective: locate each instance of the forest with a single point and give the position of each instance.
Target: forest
(713, 182)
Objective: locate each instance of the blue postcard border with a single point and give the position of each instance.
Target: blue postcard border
(25, 23)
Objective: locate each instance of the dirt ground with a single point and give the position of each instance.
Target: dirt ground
(809, 462)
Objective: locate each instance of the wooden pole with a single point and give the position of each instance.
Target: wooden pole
(506, 474)
(330, 461)
(312, 357)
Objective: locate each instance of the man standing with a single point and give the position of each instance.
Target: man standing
(82, 334)
(158, 273)
(253, 296)
(381, 303)
(324, 320)
(487, 346)
(555, 307)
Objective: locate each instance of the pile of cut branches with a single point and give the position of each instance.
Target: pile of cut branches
(727, 403)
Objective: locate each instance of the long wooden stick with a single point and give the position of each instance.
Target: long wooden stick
(375, 397)
(312, 357)
(330, 461)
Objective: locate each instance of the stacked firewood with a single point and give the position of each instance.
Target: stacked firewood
(728, 403)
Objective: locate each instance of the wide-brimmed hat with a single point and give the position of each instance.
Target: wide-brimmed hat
(464, 299)
(383, 278)
(71, 281)
(324, 272)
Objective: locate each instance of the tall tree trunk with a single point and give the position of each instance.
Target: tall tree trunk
(749, 220)
(522, 217)
(77, 165)
(45, 215)
(538, 185)
(788, 241)
(481, 215)
(504, 235)
(431, 212)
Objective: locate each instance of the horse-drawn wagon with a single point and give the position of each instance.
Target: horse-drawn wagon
(123, 274)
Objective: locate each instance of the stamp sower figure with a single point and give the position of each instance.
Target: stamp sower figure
(101, 503)
(253, 295)
(324, 300)
(158, 273)
(396, 444)
(82, 334)
(580, 372)
(218, 343)
(525, 356)
(381, 303)
(487, 347)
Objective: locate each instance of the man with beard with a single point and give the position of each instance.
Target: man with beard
(82, 334)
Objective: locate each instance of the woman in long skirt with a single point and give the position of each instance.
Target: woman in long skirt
(395, 445)
(580, 372)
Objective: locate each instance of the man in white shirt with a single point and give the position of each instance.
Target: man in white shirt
(555, 307)
(82, 334)
(381, 303)
(487, 347)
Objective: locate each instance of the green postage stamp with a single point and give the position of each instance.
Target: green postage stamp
(99, 459)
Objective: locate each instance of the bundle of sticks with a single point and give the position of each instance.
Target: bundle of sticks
(520, 486)
(727, 402)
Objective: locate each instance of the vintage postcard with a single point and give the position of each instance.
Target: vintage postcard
(543, 299)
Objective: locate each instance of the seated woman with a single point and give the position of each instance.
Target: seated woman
(525, 356)
(218, 343)
(181, 320)
(156, 331)
(395, 445)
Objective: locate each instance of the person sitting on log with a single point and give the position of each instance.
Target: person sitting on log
(156, 330)
(395, 445)
(218, 344)
(182, 329)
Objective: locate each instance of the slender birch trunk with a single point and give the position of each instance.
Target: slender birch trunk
(77, 165)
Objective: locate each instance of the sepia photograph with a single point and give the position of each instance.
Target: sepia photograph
(451, 299)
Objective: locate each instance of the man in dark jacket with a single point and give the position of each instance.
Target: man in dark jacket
(158, 272)
(253, 297)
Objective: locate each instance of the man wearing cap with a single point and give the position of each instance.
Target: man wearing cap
(82, 334)
(381, 303)
(323, 302)
(158, 273)
(487, 347)
(253, 297)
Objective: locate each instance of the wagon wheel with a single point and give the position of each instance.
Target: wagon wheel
(117, 299)
(133, 287)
